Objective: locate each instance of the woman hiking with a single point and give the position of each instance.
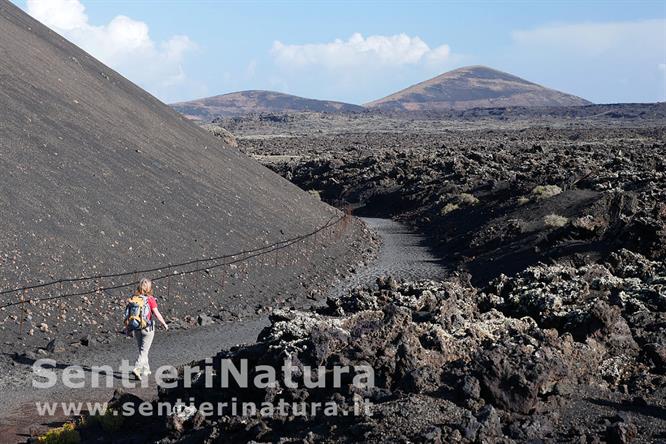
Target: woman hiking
(139, 320)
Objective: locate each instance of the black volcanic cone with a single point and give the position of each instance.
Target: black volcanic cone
(99, 176)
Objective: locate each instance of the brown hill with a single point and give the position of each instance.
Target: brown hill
(254, 101)
(474, 87)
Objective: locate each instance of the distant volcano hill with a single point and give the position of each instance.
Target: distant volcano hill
(100, 176)
(474, 87)
(461, 89)
(246, 102)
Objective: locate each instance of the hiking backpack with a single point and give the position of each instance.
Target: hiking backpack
(137, 312)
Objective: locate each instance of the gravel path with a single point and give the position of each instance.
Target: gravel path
(402, 255)
(17, 410)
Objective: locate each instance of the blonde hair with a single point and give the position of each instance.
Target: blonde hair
(145, 287)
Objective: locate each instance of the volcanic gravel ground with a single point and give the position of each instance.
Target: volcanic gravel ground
(223, 293)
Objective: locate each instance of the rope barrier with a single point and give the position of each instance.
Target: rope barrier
(246, 255)
(165, 267)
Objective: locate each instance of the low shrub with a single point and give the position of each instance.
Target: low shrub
(555, 221)
(109, 422)
(467, 199)
(66, 434)
(449, 207)
(546, 191)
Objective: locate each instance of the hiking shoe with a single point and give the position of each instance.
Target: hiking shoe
(137, 373)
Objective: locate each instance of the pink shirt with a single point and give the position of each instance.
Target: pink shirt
(152, 303)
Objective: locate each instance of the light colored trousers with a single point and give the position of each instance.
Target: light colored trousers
(144, 339)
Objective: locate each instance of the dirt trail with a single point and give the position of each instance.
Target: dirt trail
(403, 255)
(18, 412)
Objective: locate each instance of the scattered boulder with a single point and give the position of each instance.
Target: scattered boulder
(621, 433)
(203, 319)
(226, 136)
(56, 346)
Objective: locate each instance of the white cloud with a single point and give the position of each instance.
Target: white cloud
(123, 43)
(360, 51)
(598, 38)
(62, 14)
(440, 54)
(355, 69)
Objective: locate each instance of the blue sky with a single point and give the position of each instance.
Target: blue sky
(612, 51)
